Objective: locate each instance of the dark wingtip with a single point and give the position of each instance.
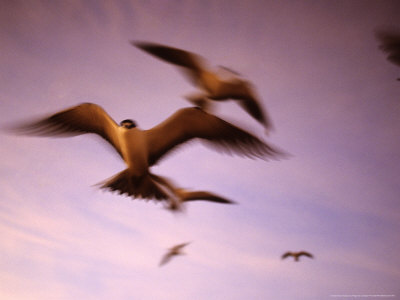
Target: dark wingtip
(141, 44)
(21, 128)
(10, 129)
(135, 43)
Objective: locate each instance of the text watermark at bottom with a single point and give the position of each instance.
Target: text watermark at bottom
(364, 296)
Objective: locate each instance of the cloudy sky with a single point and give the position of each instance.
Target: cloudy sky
(334, 101)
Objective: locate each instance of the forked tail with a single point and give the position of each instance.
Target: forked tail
(144, 187)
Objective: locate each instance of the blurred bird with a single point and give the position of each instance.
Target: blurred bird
(214, 86)
(174, 251)
(141, 149)
(390, 43)
(297, 255)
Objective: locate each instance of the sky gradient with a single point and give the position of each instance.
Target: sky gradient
(333, 99)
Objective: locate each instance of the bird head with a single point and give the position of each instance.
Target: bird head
(128, 124)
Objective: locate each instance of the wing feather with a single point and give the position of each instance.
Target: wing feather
(179, 246)
(172, 55)
(305, 254)
(189, 123)
(203, 195)
(77, 120)
(166, 258)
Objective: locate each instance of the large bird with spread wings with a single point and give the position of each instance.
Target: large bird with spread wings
(214, 86)
(141, 149)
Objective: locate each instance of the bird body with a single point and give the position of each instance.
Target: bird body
(141, 149)
(134, 150)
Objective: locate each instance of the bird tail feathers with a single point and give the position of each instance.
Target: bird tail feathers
(144, 187)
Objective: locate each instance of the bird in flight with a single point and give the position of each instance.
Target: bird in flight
(296, 255)
(174, 251)
(390, 43)
(213, 86)
(141, 149)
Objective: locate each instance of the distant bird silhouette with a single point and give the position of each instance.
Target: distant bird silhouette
(390, 43)
(296, 255)
(141, 149)
(214, 87)
(174, 251)
(183, 195)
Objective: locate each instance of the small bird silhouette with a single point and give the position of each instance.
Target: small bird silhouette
(296, 255)
(213, 85)
(174, 251)
(141, 149)
(390, 43)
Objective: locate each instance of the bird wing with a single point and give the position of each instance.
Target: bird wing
(77, 120)
(305, 254)
(192, 63)
(286, 255)
(244, 91)
(189, 123)
(179, 246)
(172, 55)
(390, 43)
(230, 70)
(203, 195)
(166, 258)
(253, 108)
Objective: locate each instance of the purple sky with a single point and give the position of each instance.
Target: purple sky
(334, 101)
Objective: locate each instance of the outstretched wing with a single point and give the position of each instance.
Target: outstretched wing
(172, 55)
(305, 254)
(178, 247)
(390, 43)
(189, 123)
(204, 195)
(191, 63)
(254, 108)
(287, 254)
(77, 120)
(166, 258)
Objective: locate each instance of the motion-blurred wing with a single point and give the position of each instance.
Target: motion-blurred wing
(190, 123)
(204, 195)
(305, 254)
(230, 70)
(287, 254)
(172, 55)
(166, 258)
(254, 108)
(178, 247)
(390, 43)
(77, 120)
